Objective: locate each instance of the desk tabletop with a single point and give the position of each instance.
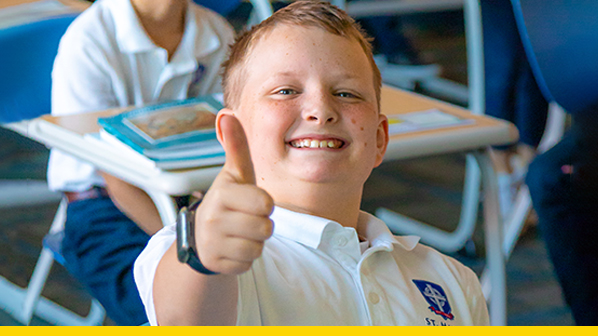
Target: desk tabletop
(20, 12)
(484, 131)
(67, 133)
(75, 4)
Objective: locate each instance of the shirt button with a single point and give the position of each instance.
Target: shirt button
(374, 298)
(341, 241)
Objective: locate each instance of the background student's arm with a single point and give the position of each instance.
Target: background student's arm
(232, 224)
(81, 83)
(135, 203)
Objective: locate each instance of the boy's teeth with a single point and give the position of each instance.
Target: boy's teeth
(311, 143)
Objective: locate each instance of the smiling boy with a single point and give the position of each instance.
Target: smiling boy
(281, 223)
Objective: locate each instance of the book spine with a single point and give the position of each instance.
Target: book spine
(109, 129)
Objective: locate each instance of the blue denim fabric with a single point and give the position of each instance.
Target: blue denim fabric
(512, 93)
(100, 246)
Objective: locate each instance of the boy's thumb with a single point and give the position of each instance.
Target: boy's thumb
(238, 159)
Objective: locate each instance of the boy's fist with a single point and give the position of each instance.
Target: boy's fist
(233, 220)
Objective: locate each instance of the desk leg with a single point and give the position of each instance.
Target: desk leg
(166, 206)
(495, 261)
(445, 241)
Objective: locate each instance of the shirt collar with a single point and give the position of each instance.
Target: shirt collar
(309, 230)
(130, 34)
(302, 228)
(378, 234)
(203, 34)
(199, 39)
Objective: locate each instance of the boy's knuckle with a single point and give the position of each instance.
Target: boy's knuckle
(266, 228)
(257, 251)
(264, 202)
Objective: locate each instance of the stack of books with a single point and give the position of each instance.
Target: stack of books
(173, 135)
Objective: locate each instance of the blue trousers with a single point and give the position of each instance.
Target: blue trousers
(100, 246)
(512, 93)
(563, 184)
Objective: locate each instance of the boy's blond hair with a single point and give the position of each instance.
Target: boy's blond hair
(300, 13)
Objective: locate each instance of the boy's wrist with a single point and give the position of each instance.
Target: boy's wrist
(185, 233)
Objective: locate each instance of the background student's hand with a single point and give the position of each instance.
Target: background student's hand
(232, 222)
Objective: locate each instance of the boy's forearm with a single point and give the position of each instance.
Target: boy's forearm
(183, 296)
(135, 203)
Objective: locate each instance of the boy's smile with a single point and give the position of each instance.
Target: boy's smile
(314, 143)
(309, 109)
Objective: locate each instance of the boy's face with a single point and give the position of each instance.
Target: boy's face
(309, 109)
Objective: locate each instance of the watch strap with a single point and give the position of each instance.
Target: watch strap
(196, 264)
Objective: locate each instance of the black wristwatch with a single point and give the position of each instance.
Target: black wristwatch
(185, 239)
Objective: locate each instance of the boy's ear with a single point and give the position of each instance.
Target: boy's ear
(382, 138)
(224, 111)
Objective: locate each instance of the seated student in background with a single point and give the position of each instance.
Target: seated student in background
(281, 224)
(512, 94)
(122, 53)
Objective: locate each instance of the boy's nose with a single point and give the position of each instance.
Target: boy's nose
(321, 111)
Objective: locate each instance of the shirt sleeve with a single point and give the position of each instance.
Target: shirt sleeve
(145, 267)
(81, 76)
(477, 301)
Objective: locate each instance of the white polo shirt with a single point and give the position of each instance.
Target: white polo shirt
(106, 60)
(313, 271)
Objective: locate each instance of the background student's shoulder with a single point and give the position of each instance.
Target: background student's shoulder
(220, 25)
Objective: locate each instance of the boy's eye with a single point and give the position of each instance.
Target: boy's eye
(286, 91)
(346, 95)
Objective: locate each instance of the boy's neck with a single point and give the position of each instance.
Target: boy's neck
(341, 206)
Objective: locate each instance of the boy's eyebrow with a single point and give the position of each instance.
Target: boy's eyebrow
(284, 74)
(340, 76)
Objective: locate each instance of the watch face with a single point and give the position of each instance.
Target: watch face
(185, 234)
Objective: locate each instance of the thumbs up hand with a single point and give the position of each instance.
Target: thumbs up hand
(232, 222)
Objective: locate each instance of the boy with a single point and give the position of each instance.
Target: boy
(281, 223)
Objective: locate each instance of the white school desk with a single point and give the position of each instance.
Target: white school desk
(67, 134)
(75, 4)
(16, 12)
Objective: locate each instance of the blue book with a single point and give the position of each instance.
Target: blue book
(165, 127)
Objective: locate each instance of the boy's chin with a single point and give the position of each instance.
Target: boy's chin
(322, 173)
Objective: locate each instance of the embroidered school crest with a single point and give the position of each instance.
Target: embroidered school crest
(196, 80)
(198, 75)
(435, 296)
